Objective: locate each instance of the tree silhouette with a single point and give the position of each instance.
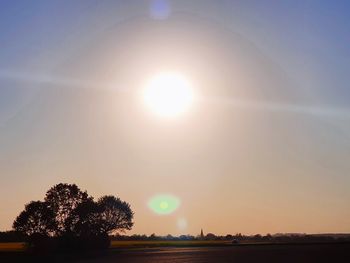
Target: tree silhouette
(83, 220)
(62, 199)
(72, 217)
(37, 218)
(114, 214)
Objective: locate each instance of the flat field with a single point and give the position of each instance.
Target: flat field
(12, 246)
(147, 244)
(286, 253)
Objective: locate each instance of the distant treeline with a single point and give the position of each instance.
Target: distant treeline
(239, 238)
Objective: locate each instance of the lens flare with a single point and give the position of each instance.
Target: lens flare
(182, 224)
(164, 204)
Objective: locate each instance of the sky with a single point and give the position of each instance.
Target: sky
(263, 149)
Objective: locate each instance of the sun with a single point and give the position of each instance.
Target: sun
(168, 94)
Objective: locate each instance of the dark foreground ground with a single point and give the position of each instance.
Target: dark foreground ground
(241, 253)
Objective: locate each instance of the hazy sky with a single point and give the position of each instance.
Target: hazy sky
(264, 149)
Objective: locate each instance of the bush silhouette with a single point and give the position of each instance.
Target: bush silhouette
(70, 218)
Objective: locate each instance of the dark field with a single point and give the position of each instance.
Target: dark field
(240, 253)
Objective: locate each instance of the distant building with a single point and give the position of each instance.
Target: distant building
(202, 234)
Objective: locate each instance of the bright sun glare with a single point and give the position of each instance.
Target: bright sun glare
(168, 94)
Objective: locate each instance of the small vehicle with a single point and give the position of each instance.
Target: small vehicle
(234, 242)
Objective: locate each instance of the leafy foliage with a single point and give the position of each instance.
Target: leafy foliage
(114, 214)
(37, 218)
(83, 220)
(71, 216)
(63, 199)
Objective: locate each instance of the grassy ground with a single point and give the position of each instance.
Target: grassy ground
(270, 253)
(16, 246)
(13, 246)
(136, 244)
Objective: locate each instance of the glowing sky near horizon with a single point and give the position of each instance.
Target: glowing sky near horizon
(264, 148)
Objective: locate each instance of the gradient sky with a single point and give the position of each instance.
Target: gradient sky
(266, 149)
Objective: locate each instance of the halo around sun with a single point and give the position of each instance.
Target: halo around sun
(168, 94)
